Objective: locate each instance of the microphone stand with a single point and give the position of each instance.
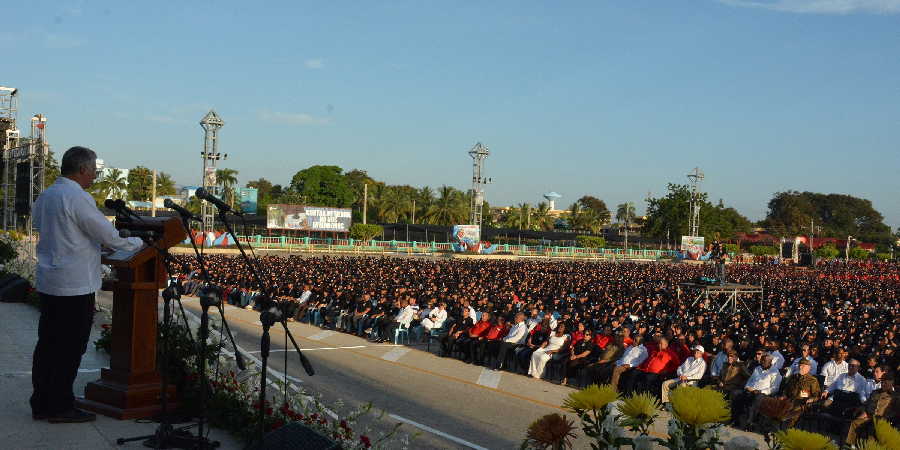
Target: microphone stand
(209, 296)
(272, 312)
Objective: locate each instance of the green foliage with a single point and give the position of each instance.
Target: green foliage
(763, 250)
(323, 186)
(859, 253)
(733, 248)
(669, 216)
(590, 241)
(140, 180)
(365, 232)
(839, 215)
(165, 185)
(596, 206)
(827, 252)
(451, 207)
(7, 250)
(226, 179)
(883, 256)
(51, 169)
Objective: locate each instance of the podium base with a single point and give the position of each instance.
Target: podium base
(124, 402)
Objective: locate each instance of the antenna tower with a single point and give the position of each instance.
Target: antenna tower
(210, 154)
(696, 177)
(478, 153)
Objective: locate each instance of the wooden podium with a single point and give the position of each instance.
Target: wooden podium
(130, 388)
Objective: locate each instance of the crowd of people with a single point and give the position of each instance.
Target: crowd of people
(818, 342)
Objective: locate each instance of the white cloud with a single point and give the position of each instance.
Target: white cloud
(822, 6)
(316, 63)
(302, 119)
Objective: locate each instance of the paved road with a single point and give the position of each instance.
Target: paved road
(452, 404)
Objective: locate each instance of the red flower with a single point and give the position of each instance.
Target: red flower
(106, 326)
(365, 441)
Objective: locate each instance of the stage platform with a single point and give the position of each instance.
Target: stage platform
(732, 290)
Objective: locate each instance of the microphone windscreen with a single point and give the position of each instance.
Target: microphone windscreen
(126, 233)
(110, 203)
(200, 193)
(168, 203)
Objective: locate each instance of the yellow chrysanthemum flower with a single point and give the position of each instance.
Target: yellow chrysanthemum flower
(870, 444)
(887, 435)
(794, 439)
(592, 397)
(640, 406)
(695, 406)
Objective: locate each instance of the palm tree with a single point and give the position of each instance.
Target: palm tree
(625, 214)
(113, 183)
(424, 200)
(449, 208)
(542, 218)
(392, 205)
(165, 185)
(227, 179)
(586, 219)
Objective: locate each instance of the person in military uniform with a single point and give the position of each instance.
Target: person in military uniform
(877, 406)
(802, 389)
(733, 376)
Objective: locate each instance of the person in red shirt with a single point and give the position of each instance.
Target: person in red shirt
(602, 339)
(475, 334)
(661, 362)
(488, 344)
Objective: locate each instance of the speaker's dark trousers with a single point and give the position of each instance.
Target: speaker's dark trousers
(63, 334)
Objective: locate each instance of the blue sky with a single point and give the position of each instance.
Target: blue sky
(609, 98)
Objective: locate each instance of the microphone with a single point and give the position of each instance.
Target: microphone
(168, 203)
(120, 207)
(223, 207)
(126, 233)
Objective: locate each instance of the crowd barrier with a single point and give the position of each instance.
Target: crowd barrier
(329, 245)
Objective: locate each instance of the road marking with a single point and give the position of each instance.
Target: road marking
(28, 372)
(489, 378)
(437, 432)
(322, 335)
(318, 348)
(395, 354)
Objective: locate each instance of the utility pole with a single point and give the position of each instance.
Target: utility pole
(414, 211)
(153, 196)
(365, 201)
(847, 249)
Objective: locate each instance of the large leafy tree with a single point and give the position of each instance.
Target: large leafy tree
(323, 186)
(140, 182)
(839, 215)
(597, 206)
(669, 216)
(582, 218)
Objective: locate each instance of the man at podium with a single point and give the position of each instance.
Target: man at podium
(72, 231)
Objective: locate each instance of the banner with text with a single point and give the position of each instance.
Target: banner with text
(248, 198)
(308, 218)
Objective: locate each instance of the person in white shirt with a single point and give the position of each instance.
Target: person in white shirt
(689, 373)
(851, 382)
(436, 318)
(633, 357)
(72, 232)
(516, 337)
(875, 382)
(804, 354)
(835, 367)
(764, 381)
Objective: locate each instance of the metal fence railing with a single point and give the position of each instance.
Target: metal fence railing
(309, 244)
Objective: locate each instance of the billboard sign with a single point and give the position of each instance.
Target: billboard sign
(467, 238)
(693, 247)
(248, 198)
(308, 218)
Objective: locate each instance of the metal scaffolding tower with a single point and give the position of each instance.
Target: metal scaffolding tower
(478, 153)
(210, 154)
(25, 159)
(696, 177)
